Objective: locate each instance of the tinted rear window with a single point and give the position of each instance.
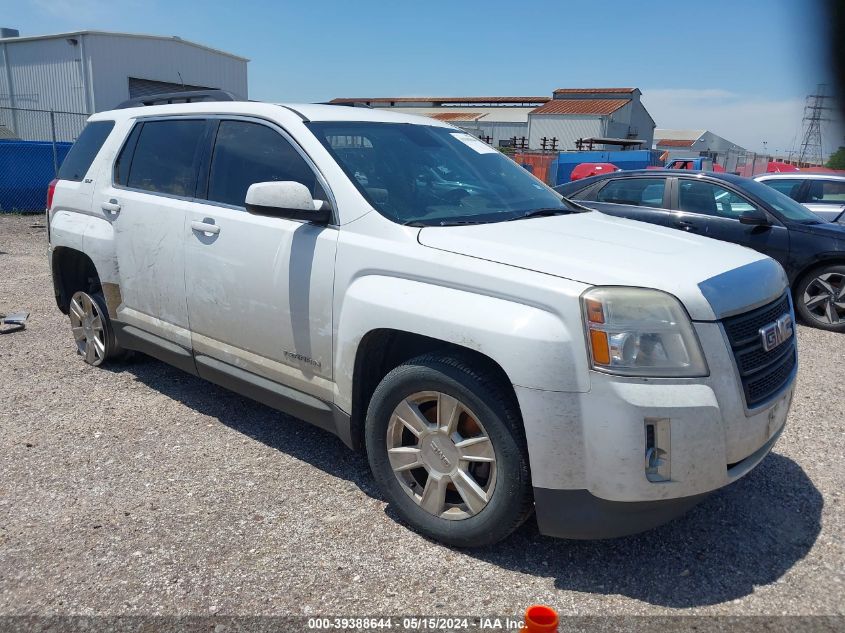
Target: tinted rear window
(165, 157)
(81, 155)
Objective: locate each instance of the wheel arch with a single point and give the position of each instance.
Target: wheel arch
(382, 350)
(823, 259)
(72, 270)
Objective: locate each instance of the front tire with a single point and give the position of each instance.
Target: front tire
(92, 329)
(820, 298)
(446, 445)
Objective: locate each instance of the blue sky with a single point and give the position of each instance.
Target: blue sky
(740, 68)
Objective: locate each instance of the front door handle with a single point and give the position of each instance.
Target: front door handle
(685, 226)
(112, 207)
(204, 227)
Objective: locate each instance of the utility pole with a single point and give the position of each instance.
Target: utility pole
(812, 151)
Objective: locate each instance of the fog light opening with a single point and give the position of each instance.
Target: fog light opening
(657, 461)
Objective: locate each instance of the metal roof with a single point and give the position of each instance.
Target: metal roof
(492, 114)
(675, 142)
(599, 107)
(580, 91)
(439, 100)
(173, 38)
(456, 116)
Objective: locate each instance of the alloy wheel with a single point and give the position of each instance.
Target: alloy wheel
(824, 298)
(442, 455)
(88, 328)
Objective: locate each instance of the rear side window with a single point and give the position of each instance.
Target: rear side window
(165, 157)
(246, 153)
(644, 192)
(84, 150)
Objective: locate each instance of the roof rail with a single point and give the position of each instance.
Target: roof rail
(188, 96)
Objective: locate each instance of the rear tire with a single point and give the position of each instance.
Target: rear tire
(446, 445)
(92, 328)
(820, 298)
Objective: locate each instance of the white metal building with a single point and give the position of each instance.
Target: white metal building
(576, 113)
(90, 71)
(690, 143)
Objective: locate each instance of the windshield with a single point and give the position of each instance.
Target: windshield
(433, 176)
(782, 204)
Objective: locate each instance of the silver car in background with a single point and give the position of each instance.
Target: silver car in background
(823, 194)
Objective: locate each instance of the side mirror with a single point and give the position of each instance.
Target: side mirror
(286, 199)
(754, 218)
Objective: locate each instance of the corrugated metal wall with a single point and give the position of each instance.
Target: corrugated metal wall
(45, 75)
(566, 128)
(114, 59)
(497, 130)
(641, 120)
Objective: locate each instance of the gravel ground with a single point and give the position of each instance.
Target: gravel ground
(142, 490)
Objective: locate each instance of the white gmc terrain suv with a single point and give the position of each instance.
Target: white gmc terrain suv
(493, 347)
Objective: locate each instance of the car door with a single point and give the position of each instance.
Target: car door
(147, 201)
(825, 198)
(637, 198)
(706, 208)
(259, 288)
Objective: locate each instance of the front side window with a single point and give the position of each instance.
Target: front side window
(696, 196)
(827, 191)
(165, 156)
(642, 192)
(787, 186)
(428, 175)
(246, 153)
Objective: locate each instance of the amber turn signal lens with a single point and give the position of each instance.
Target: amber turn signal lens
(595, 311)
(601, 348)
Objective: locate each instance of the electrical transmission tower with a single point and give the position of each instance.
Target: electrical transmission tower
(814, 114)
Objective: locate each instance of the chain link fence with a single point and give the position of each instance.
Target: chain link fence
(33, 144)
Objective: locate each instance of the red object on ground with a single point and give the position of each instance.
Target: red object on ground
(718, 168)
(585, 170)
(824, 170)
(540, 619)
(776, 167)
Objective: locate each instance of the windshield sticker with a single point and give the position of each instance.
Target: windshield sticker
(470, 141)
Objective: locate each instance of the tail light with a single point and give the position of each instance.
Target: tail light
(51, 189)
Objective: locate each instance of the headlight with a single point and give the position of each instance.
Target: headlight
(640, 332)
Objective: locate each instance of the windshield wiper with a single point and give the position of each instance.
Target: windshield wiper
(421, 223)
(539, 213)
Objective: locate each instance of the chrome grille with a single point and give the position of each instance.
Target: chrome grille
(763, 373)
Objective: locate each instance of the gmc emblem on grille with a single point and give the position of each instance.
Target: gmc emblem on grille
(776, 333)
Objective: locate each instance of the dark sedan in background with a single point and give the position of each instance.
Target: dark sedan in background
(738, 210)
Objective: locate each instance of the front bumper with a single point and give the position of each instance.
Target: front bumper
(587, 450)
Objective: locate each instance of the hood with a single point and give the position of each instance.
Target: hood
(828, 229)
(712, 279)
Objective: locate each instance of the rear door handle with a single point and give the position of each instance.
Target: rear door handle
(112, 207)
(204, 227)
(684, 225)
